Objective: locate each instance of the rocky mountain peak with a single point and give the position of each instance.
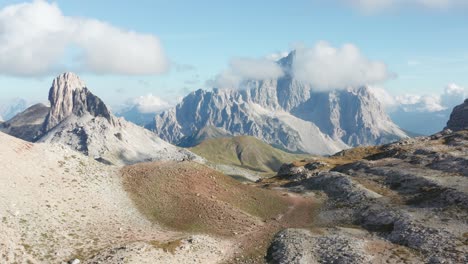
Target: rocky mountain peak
(287, 62)
(459, 117)
(69, 95)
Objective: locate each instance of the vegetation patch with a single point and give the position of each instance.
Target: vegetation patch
(246, 152)
(188, 196)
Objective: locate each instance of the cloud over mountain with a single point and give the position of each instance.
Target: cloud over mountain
(150, 103)
(323, 66)
(329, 68)
(37, 38)
(241, 69)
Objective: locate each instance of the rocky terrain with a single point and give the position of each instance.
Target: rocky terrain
(405, 202)
(59, 206)
(283, 112)
(80, 120)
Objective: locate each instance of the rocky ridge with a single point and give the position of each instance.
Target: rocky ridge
(411, 196)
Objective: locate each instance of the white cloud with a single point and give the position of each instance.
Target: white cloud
(150, 104)
(452, 95)
(420, 103)
(35, 39)
(371, 6)
(329, 68)
(241, 69)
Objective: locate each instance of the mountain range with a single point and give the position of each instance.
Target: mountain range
(283, 112)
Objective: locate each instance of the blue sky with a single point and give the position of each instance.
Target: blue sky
(425, 46)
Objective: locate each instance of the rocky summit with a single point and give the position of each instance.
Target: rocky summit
(284, 112)
(80, 120)
(69, 96)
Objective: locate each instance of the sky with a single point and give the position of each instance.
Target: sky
(156, 51)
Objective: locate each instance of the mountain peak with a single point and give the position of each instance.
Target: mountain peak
(68, 81)
(287, 62)
(69, 95)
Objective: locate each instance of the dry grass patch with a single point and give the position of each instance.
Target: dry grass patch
(246, 152)
(343, 157)
(191, 197)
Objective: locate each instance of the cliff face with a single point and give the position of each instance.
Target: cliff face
(459, 117)
(284, 112)
(69, 95)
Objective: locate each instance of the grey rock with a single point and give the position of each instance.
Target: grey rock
(69, 95)
(283, 112)
(80, 120)
(459, 117)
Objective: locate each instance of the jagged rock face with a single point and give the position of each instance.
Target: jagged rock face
(238, 113)
(459, 117)
(80, 120)
(284, 112)
(69, 95)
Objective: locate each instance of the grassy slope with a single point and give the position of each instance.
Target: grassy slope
(189, 196)
(245, 151)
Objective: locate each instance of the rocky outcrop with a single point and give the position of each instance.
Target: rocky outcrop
(80, 120)
(69, 95)
(235, 113)
(412, 193)
(459, 117)
(283, 112)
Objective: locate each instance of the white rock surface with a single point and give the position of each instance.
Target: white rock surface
(283, 112)
(80, 120)
(57, 205)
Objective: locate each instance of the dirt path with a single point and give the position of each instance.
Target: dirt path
(251, 247)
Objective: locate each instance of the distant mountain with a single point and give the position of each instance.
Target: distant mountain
(283, 112)
(12, 108)
(80, 120)
(245, 152)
